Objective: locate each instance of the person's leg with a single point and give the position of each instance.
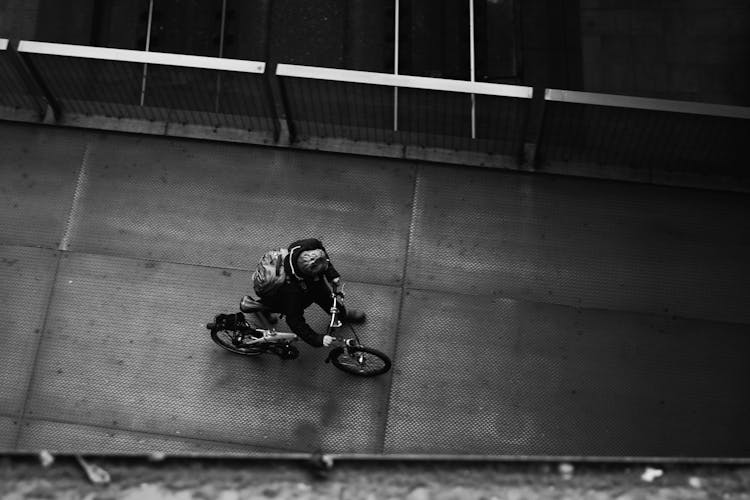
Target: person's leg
(271, 317)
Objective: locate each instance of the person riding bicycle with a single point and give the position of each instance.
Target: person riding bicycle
(307, 267)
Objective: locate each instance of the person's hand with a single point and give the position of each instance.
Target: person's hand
(328, 340)
(338, 287)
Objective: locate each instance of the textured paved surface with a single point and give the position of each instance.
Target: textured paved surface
(581, 243)
(495, 375)
(38, 174)
(524, 314)
(223, 205)
(26, 275)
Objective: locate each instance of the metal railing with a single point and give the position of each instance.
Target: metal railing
(152, 86)
(15, 91)
(643, 133)
(407, 110)
(558, 130)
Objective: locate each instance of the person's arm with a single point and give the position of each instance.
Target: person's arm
(332, 274)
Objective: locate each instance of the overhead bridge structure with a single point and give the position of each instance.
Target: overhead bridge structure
(552, 273)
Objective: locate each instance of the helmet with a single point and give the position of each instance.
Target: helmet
(312, 263)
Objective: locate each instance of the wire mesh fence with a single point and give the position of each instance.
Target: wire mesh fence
(421, 117)
(643, 139)
(157, 92)
(14, 91)
(325, 103)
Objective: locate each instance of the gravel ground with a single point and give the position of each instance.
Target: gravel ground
(229, 480)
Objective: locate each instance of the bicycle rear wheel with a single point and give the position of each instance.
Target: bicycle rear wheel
(360, 361)
(227, 340)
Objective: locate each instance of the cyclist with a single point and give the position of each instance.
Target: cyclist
(307, 267)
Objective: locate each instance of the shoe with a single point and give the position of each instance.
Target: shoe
(355, 316)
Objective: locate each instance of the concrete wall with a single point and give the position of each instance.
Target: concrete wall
(18, 18)
(550, 54)
(697, 50)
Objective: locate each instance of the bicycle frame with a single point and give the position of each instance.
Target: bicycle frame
(237, 334)
(269, 336)
(266, 335)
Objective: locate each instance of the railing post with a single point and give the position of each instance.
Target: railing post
(287, 108)
(533, 132)
(34, 82)
(268, 74)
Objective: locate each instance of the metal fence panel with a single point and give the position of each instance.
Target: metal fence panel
(643, 139)
(170, 94)
(413, 111)
(426, 118)
(14, 92)
(189, 90)
(320, 108)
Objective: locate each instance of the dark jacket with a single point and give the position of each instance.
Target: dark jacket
(298, 293)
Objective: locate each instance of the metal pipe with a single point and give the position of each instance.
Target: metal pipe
(148, 46)
(140, 56)
(415, 82)
(648, 103)
(472, 69)
(396, 40)
(221, 51)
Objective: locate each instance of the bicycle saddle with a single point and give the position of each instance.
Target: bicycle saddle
(251, 305)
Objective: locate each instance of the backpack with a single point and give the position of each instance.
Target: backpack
(270, 275)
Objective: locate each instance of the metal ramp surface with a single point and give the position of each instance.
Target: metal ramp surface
(525, 314)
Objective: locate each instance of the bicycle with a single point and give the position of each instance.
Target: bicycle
(235, 334)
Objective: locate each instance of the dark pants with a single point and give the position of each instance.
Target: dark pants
(317, 292)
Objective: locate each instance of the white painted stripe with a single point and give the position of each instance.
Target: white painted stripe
(137, 56)
(621, 101)
(3, 43)
(414, 82)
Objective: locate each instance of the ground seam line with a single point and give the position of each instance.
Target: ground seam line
(82, 174)
(412, 217)
(35, 363)
(61, 248)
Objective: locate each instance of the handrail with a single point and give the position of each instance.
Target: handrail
(414, 82)
(652, 104)
(139, 56)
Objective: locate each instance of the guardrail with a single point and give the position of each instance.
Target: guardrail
(407, 110)
(152, 86)
(555, 130)
(15, 88)
(642, 133)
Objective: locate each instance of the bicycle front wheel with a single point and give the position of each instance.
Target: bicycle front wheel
(227, 340)
(360, 361)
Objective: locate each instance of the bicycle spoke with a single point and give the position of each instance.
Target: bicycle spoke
(228, 340)
(362, 362)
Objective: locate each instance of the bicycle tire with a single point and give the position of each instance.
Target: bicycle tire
(371, 364)
(225, 341)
